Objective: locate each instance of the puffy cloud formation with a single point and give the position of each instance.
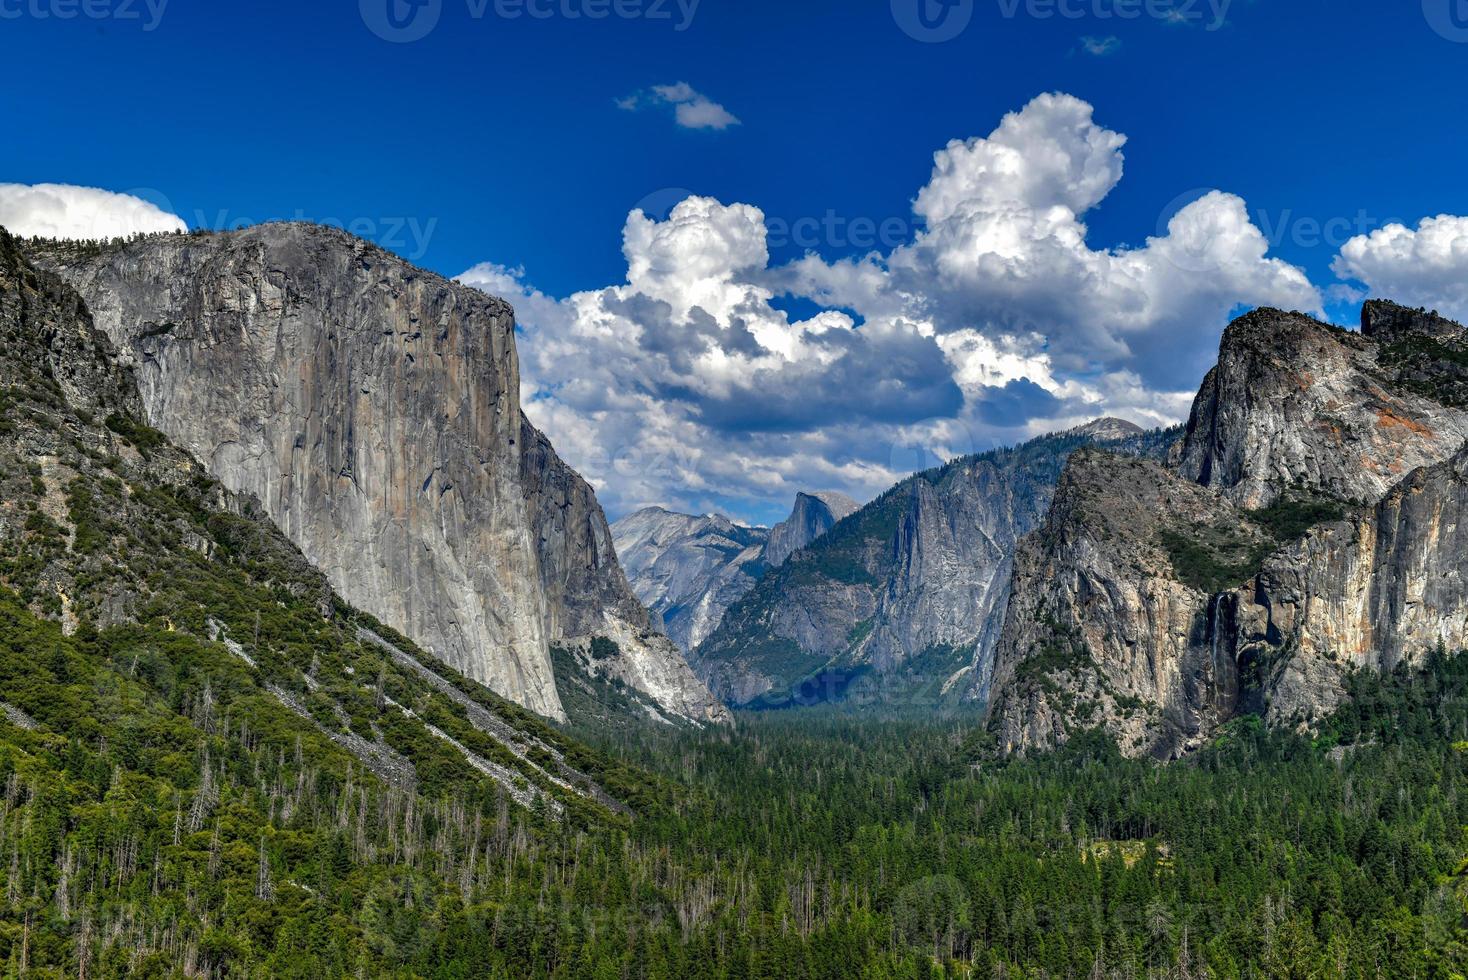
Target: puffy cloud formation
(691, 109)
(712, 380)
(68, 211)
(1426, 266)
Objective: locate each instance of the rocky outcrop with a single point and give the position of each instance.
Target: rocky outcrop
(1384, 586)
(1308, 525)
(587, 594)
(1111, 620)
(905, 597)
(687, 569)
(1298, 403)
(103, 523)
(814, 514)
(373, 408)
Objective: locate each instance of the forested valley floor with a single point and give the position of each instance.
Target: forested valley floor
(158, 820)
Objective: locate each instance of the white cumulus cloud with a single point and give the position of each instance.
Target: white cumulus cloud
(696, 384)
(69, 211)
(1422, 266)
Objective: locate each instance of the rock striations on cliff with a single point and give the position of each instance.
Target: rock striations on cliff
(813, 515)
(1296, 402)
(901, 602)
(689, 570)
(373, 408)
(125, 542)
(1308, 526)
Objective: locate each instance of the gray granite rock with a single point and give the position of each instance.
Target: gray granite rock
(687, 569)
(1309, 525)
(373, 408)
(813, 515)
(905, 596)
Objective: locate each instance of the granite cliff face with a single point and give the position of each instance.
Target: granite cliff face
(689, 569)
(814, 514)
(373, 409)
(1307, 526)
(901, 602)
(1102, 628)
(104, 523)
(1296, 402)
(1383, 586)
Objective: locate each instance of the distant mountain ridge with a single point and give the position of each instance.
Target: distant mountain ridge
(813, 515)
(907, 593)
(689, 570)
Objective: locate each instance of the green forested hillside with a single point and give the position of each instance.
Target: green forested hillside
(802, 847)
(212, 766)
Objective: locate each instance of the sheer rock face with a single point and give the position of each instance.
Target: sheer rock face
(814, 514)
(1101, 630)
(1103, 627)
(1295, 402)
(373, 408)
(1382, 587)
(908, 592)
(689, 569)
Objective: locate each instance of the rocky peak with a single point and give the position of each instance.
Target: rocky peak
(812, 516)
(1106, 429)
(688, 569)
(905, 597)
(1307, 526)
(1294, 402)
(1389, 323)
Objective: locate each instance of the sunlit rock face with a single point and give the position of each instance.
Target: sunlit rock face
(1309, 525)
(373, 408)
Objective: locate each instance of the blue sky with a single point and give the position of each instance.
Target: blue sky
(500, 139)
